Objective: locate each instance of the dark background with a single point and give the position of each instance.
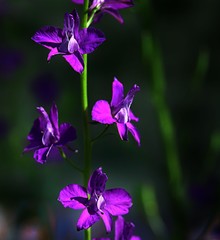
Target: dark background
(187, 35)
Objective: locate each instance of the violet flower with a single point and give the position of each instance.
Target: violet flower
(123, 231)
(118, 111)
(71, 41)
(96, 202)
(100, 7)
(46, 134)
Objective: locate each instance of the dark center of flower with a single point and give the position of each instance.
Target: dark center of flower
(123, 115)
(121, 111)
(96, 203)
(69, 43)
(49, 137)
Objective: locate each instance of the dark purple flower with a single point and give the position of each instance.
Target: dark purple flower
(118, 111)
(71, 41)
(107, 6)
(96, 202)
(123, 230)
(46, 134)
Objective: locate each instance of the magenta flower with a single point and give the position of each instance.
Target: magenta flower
(123, 231)
(46, 134)
(96, 202)
(118, 111)
(107, 6)
(71, 41)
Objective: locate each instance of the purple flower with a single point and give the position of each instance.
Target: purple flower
(46, 134)
(118, 111)
(107, 6)
(123, 230)
(71, 41)
(96, 202)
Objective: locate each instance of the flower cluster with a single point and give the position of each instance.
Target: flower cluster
(47, 137)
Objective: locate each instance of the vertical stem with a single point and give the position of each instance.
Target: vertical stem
(86, 133)
(88, 234)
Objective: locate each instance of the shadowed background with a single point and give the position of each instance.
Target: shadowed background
(171, 50)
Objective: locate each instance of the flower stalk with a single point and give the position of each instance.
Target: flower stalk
(86, 132)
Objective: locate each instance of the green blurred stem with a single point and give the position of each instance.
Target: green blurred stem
(85, 120)
(152, 56)
(69, 161)
(200, 70)
(151, 210)
(86, 132)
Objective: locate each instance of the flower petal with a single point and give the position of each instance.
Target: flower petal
(97, 182)
(73, 45)
(118, 4)
(107, 219)
(52, 53)
(118, 201)
(101, 112)
(44, 118)
(68, 24)
(86, 220)
(70, 193)
(101, 239)
(76, 61)
(135, 133)
(117, 93)
(41, 154)
(48, 36)
(119, 227)
(135, 238)
(76, 22)
(90, 39)
(123, 230)
(130, 95)
(34, 137)
(114, 13)
(67, 133)
(54, 120)
(132, 116)
(123, 131)
(78, 1)
(49, 136)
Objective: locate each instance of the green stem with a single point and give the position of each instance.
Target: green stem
(101, 134)
(86, 133)
(91, 18)
(69, 161)
(88, 234)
